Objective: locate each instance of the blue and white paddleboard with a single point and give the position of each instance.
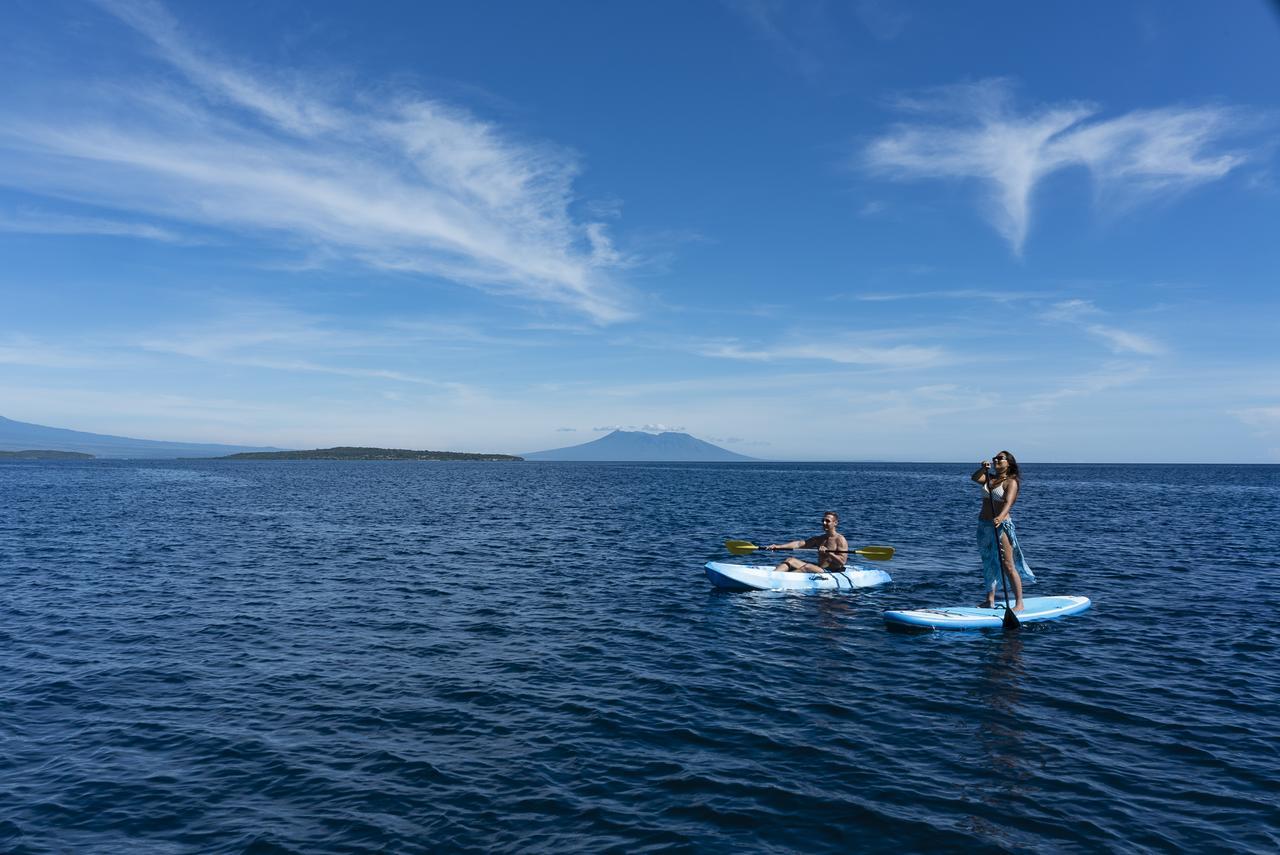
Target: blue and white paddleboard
(746, 577)
(1035, 609)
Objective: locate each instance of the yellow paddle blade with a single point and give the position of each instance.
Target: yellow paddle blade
(740, 547)
(876, 553)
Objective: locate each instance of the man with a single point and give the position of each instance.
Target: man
(832, 548)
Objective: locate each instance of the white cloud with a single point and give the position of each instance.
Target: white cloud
(1079, 312)
(33, 353)
(1070, 311)
(31, 222)
(1122, 341)
(977, 134)
(258, 335)
(884, 19)
(403, 184)
(1108, 377)
(957, 294)
(769, 19)
(897, 356)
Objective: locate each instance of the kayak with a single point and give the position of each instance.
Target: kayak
(1035, 609)
(747, 577)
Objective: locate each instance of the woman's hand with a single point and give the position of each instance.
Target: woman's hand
(986, 464)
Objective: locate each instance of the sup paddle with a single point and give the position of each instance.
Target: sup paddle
(1010, 621)
(1010, 617)
(873, 553)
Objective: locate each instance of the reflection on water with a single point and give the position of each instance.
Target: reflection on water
(1000, 733)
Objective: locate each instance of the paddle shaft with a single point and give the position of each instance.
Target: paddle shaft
(865, 551)
(874, 553)
(1010, 619)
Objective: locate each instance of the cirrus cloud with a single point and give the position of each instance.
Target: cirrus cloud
(403, 183)
(974, 131)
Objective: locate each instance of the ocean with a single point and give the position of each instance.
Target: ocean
(340, 657)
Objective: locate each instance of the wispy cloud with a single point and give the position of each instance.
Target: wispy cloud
(1082, 312)
(897, 356)
(1123, 341)
(262, 336)
(884, 19)
(401, 184)
(974, 131)
(33, 222)
(1110, 376)
(768, 19)
(957, 294)
(1071, 311)
(34, 353)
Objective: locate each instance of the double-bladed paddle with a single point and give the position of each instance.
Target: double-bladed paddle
(873, 553)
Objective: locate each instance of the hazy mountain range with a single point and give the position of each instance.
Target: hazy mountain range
(621, 445)
(23, 436)
(627, 445)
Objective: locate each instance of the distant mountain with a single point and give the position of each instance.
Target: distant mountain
(624, 445)
(22, 436)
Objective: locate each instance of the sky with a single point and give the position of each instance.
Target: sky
(830, 230)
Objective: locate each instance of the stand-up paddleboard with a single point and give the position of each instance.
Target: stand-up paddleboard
(1035, 609)
(746, 577)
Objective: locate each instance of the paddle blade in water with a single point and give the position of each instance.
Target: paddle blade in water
(1010, 620)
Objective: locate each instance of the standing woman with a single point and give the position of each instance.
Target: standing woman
(997, 539)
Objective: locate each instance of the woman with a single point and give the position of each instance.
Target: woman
(997, 539)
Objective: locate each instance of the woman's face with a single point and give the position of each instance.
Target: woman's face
(1001, 462)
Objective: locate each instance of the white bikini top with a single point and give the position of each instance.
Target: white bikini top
(997, 493)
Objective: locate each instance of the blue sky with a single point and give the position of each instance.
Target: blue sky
(814, 231)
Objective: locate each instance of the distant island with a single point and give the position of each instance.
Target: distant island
(350, 453)
(44, 454)
(634, 445)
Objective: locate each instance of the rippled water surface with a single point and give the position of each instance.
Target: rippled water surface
(291, 656)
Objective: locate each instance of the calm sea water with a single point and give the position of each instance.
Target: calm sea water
(311, 657)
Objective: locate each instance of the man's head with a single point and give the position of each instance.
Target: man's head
(830, 519)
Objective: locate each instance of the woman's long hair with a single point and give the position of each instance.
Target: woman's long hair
(1013, 472)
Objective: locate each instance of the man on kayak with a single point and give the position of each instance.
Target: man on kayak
(831, 545)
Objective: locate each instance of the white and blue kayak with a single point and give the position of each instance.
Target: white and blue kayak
(1035, 609)
(748, 577)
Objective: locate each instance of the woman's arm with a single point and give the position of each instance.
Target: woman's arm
(980, 476)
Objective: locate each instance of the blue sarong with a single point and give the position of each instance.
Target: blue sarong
(991, 555)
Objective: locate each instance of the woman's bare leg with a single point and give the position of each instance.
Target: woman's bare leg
(1015, 581)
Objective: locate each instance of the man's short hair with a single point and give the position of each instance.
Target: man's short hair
(834, 514)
